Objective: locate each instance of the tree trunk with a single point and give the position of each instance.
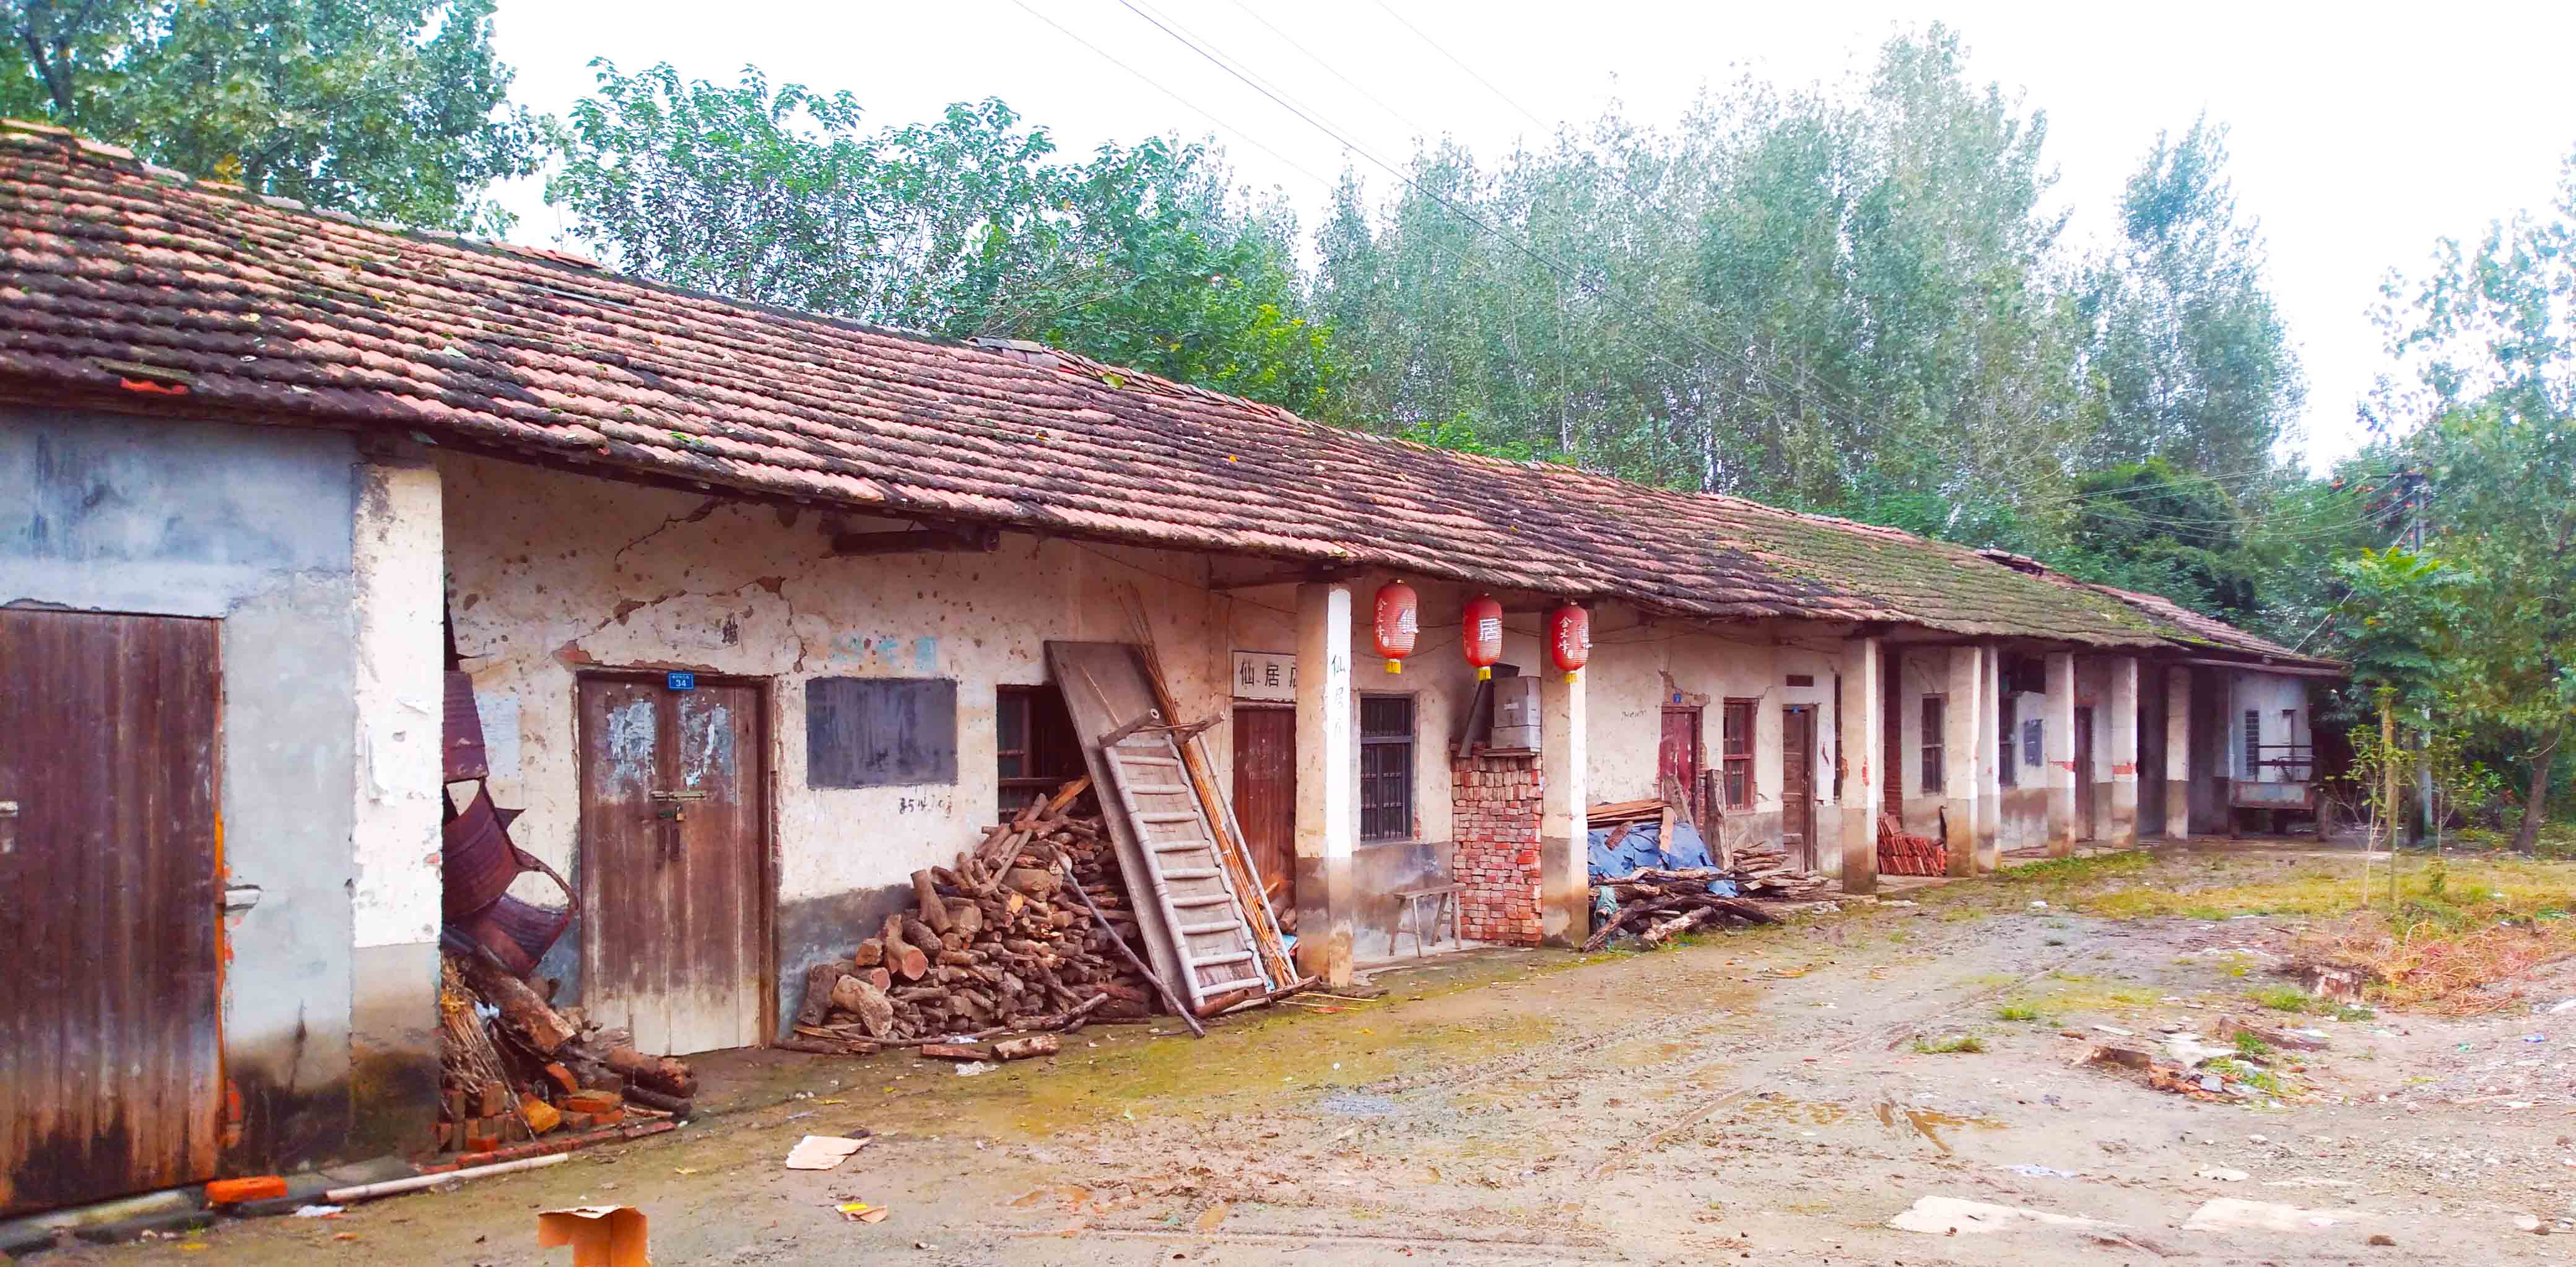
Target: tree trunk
(2535, 807)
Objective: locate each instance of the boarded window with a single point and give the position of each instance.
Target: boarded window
(1034, 747)
(2034, 748)
(1735, 752)
(2007, 770)
(1386, 767)
(1935, 710)
(880, 732)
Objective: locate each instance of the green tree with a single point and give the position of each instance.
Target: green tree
(2490, 332)
(392, 109)
(2152, 526)
(965, 225)
(2187, 358)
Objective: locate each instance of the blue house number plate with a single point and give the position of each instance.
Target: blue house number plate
(680, 681)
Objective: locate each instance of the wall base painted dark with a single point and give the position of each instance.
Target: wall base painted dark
(820, 930)
(1377, 871)
(394, 1046)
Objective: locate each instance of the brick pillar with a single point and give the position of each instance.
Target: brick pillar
(1494, 817)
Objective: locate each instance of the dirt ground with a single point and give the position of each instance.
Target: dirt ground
(1762, 1096)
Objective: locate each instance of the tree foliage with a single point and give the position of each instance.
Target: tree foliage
(969, 224)
(393, 109)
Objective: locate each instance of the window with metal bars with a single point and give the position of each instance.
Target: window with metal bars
(1386, 767)
(1735, 752)
(2253, 744)
(1935, 708)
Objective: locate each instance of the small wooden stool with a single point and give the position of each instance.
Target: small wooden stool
(1443, 912)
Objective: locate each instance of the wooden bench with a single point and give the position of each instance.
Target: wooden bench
(1438, 901)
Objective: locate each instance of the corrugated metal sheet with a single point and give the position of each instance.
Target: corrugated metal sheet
(110, 1053)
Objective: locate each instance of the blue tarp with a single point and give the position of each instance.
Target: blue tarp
(1641, 847)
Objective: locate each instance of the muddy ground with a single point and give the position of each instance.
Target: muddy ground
(1763, 1096)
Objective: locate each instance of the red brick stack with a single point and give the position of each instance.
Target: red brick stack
(1901, 852)
(1494, 808)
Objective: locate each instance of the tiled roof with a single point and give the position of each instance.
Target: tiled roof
(127, 283)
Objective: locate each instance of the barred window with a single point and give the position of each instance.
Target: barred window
(1735, 752)
(1386, 767)
(1935, 708)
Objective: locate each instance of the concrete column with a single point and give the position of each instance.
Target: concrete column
(1564, 880)
(2124, 751)
(2178, 751)
(398, 564)
(1861, 747)
(2059, 738)
(1990, 771)
(1960, 742)
(1327, 778)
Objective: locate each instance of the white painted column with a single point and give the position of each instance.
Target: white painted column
(398, 570)
(1990, 738)
(1959, 745)
(2059, 741)
(1564, 880)
(1862, 749)
(2124, 750)
(2178, 751)
(1327, 775)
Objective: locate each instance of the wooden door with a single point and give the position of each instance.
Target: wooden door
(1677, 757)
(1265, 796)
(1798, 783)
(2083, 774)
(111, 1056)
(673, 855)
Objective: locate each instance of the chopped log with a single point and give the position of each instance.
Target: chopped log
(907, 962)
(819, 981)
(871, 953)
(1665, 930)
(920, 935)
(1228, 999)
(952, 1051)
(676, 1105)
(1024, 1048)
(1033, 881)
(658, 1073)
(868, 1003)
(1170, 999)
(521, 1007)
(966, 919)
(934, 911)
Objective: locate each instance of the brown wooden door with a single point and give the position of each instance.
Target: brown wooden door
(672, 850)
(111, 1056)
(1677, 758)
(1265, 796)
(1798, 783)
(2083, 774)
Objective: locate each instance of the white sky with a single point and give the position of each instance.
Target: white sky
(2360, 132)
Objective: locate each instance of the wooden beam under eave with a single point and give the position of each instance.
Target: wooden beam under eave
(959, 540)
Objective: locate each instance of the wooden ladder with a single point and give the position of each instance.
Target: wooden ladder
(1188, 879)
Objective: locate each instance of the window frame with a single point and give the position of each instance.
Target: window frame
(1036, 780)
(1402, 777)
(1735, 784)
(1932, 720)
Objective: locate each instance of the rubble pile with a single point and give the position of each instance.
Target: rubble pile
(519, 1078)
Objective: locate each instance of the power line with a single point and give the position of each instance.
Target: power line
(1504, 97)
(1347, 81)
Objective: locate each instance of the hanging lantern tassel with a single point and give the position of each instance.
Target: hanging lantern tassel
(1482, 634)
(1569, 638)
(1399, 620)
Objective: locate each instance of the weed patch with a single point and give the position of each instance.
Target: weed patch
(1955, 1043)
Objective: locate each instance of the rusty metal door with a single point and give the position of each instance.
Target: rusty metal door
(2083, 774)
(1798, 783)
(111, 1058)
(1677, 758)
(1265, 796)
(673, 862)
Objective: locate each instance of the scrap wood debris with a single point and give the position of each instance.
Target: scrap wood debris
(516, 1070)
(1757, 886)
(1001, 942)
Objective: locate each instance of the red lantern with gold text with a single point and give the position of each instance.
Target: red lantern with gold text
(1569, 638)
(1483, 634)
(1399, 618)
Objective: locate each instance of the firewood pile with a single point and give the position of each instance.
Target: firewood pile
(526, 1078)
(1656, 903)
(1031, 930)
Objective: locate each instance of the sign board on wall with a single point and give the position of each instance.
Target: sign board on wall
(1265, 675)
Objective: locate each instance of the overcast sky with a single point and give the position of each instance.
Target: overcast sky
(2360, 132)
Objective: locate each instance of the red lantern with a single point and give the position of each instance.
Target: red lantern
(1483, 634)
(1569, 638)
(1399, 618)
